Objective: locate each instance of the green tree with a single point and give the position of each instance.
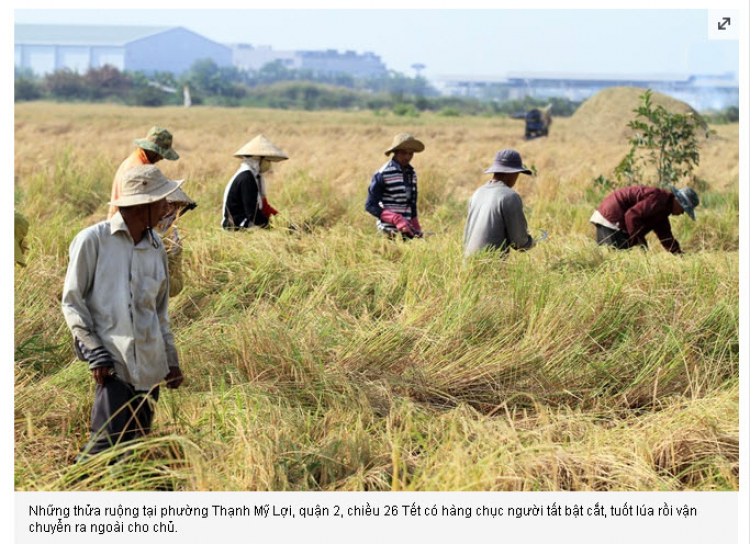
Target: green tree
(664, 141)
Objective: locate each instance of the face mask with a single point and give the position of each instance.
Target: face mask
(265, 165)
(166, 222)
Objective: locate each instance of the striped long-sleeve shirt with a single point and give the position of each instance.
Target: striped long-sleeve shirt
(393, 188)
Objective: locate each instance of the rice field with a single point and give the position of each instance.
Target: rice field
(323, 357)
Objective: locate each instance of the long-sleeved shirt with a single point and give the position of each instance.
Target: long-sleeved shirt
(243, 201)
(136, 158)
(496, 220)
(115, 297)
(393, 188)
(639, 210)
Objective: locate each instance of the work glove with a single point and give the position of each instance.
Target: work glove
(397, 219)
(417, 228)
(267, 209)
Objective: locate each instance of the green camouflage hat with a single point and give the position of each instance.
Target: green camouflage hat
(159, 140)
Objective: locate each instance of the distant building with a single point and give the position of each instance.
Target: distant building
(331, 62)
(701, 92)
(327, 63)
(254, 57)
(46, 48)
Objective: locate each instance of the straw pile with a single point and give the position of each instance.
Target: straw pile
(605, 116)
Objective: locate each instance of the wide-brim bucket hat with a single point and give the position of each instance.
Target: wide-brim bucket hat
(144, 184)
(688, 199)
(260, 146)
(406, 142)
(508, 161)
(158, 140)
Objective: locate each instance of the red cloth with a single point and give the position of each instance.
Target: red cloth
(639, 210)
(136, 158)
(396, 219)
(267, 209)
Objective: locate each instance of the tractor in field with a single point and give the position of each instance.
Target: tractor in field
(538, 122)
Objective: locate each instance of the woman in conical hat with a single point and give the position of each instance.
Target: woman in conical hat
(245, 203)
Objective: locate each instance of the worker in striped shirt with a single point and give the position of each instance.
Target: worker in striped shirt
(392, 195)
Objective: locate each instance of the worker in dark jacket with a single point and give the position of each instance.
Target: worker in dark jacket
(245, 202)
(392, 195)
(624, 218)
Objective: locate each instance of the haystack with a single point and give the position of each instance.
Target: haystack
(605, 116)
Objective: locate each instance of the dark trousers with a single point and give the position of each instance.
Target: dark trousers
(613, 238)
(120, 414)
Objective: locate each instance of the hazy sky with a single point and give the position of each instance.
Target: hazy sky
(458, 42)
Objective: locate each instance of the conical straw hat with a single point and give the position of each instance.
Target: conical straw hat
(260, 146)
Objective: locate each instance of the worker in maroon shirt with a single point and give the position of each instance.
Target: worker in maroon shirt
(625, 217)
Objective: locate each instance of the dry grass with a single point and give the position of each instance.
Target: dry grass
(327, 358)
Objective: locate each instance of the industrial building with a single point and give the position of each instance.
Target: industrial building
(43, 49)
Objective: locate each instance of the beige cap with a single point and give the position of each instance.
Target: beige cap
(144, 184)
(405, 141)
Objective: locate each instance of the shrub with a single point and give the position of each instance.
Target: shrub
(66, 84)
(106, 81)
(449, 112)
(405, 110)
(725, 116)
(26, 89)
(149, 96)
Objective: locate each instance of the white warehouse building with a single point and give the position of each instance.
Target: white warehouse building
(44, 49)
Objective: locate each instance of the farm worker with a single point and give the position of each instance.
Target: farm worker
(157, 145)
(115, 304)
(177, 204)
(245, 202)
(392, 195)
(21, 229)
(496, 220)
(624, 218)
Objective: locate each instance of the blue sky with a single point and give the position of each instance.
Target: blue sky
(452, 42)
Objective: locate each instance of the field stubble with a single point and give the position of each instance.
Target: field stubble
(327, 358)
